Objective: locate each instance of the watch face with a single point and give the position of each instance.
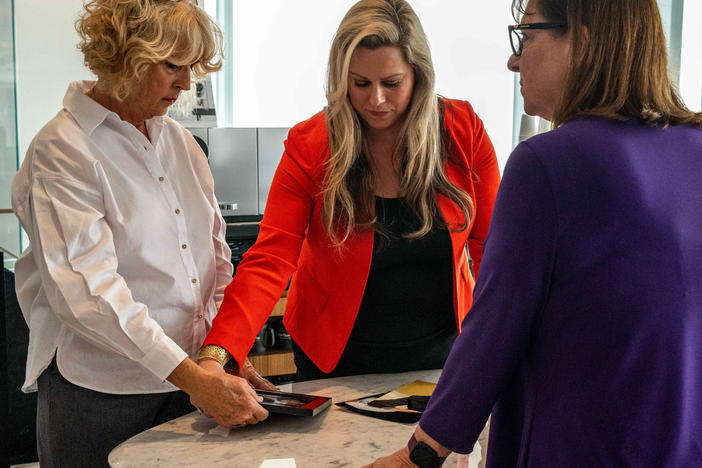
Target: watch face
(423, 456)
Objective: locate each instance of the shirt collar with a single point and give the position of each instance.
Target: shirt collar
(89, 114)
(86, 112)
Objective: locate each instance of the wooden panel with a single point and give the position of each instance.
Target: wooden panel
(274, 362)
(279, 307)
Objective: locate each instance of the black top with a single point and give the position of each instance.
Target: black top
(406, 318)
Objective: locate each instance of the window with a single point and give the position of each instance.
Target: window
(278, 52)
(691, 55)
(9, 227)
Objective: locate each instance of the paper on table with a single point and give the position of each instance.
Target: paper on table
(220, 431)
(418, 388)
(279, 463)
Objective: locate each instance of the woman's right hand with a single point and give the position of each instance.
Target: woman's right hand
(227, 398)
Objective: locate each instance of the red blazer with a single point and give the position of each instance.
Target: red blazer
(328, 284)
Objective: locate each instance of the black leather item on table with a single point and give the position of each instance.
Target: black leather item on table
(414, 402)
(396, 415)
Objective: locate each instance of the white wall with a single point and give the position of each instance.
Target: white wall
(46, 61)
(281, 48)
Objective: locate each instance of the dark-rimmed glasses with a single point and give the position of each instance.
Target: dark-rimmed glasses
(515, 33)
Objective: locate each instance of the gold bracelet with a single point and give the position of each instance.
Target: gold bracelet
(215, 352)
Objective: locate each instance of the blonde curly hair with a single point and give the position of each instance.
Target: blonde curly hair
(120, 39)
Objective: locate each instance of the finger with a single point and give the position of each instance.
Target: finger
(240, 386)
(262, 383)
(259, 413)
(252, 393)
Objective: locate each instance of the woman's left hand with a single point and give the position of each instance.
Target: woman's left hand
(399, 459)
(249, 373)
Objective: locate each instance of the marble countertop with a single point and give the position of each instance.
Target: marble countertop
(334, 438)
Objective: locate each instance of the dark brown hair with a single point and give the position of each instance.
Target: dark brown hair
(619, 67)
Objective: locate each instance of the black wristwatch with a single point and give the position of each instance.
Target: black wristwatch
(423, 455)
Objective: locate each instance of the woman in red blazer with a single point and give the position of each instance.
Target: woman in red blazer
(370, 211)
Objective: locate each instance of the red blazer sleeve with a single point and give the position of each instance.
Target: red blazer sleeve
(487, 181)
(266, 268)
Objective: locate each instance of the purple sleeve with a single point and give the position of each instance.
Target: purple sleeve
(511, 292)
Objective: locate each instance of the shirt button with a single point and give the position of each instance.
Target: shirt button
(193, 281)
(184, 246)
(177, 211)
(199, 316)
(160, 179)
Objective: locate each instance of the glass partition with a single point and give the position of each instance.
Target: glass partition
(9, 227)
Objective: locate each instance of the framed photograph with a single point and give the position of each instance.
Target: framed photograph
(298, 404)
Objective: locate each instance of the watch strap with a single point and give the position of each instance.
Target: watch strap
(423, 455)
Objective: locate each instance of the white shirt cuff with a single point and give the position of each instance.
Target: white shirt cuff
(165, 356)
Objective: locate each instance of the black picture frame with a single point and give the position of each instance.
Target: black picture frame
(298, 404)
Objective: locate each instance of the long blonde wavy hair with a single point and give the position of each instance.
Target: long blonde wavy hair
(121, 38)
(348, 198)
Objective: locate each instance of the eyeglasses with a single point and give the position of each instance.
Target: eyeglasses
(515, 33)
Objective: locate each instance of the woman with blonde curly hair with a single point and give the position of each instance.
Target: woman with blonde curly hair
(370, 211)
(127, 261)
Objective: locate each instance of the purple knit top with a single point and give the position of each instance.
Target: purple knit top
(585, 337)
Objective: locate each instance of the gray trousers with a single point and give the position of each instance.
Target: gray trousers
(77, 427)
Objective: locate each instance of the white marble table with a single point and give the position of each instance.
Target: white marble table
(334, 438)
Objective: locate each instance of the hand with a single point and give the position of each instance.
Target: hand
(249, 373)
(229, 399)
(399, 459)
(212, 366)
(215, 367)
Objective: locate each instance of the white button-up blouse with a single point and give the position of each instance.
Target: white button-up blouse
(128, 261)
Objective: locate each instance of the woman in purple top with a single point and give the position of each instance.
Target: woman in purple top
(585, 337)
